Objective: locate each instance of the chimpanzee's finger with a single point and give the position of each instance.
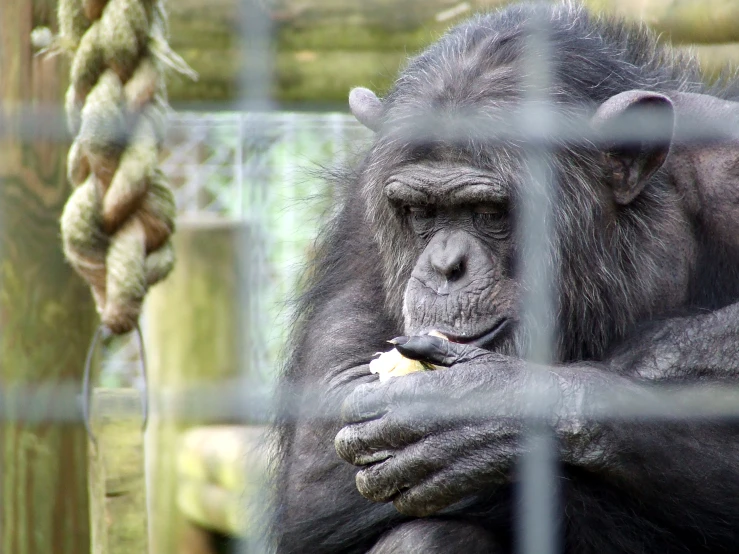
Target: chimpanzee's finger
(363, 443)
(435, 350)
(365, 402)
(375, 440)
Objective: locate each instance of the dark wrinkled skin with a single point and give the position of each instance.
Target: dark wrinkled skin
(420, 447)
(648, 262)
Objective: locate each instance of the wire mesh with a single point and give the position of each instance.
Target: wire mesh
(254, 166)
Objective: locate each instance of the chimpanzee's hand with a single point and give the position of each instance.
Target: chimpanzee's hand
(427, 440)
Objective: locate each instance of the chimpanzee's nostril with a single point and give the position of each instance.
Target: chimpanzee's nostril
(456, 272)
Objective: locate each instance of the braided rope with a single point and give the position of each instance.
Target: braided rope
(117, 223)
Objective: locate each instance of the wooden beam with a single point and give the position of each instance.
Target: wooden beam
(325, 47)
(46, 312)
(194, 338)
(717, 57)
(682, 21)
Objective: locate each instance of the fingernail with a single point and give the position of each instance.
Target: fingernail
(399, 340)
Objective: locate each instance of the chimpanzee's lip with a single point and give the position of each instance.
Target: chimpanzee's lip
(481, 339)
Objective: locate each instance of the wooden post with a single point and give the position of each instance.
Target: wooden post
(46, 313)
(715, 57)
(325, 47)
(697, 21)
(118, 511)
(194, 339)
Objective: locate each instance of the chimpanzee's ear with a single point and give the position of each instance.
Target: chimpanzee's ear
(366, 107)
(633, 160)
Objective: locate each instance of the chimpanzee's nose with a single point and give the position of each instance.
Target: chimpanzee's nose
(448, 258)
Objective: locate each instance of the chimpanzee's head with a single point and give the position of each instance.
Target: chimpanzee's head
(442, 195)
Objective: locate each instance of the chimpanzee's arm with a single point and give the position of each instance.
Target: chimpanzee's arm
(319, 507)
(683, 476)
(703, 346)
(688, 471)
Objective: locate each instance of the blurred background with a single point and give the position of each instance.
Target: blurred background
(244, 151)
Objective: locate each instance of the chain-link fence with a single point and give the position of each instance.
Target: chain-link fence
(264, 171)
(218, 169)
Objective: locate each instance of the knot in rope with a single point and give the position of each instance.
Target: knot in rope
(117, 223)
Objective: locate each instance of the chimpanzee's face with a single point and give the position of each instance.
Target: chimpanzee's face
(441, 199)
(462, 283)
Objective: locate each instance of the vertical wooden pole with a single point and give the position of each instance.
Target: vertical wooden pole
(46, 314)
(193, 339)
(118, 512)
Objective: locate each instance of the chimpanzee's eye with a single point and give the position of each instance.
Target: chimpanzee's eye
(491, 219)
(422, 212)
(422, 218)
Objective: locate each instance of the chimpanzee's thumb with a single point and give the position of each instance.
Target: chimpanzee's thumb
(435, 350)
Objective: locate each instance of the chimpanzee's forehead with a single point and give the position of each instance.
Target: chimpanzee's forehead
(451, 121)
(417, 148)
(484, 131)
(426, 181)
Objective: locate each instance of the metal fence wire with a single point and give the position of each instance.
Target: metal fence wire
(259, 165)
(540, 126)
(273, 184)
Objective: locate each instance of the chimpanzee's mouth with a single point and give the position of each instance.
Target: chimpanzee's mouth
(482, 339)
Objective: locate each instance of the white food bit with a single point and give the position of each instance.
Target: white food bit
(394, 364)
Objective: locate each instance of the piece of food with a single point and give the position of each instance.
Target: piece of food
(394, 364)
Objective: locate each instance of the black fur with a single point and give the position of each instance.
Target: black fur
(620, 269)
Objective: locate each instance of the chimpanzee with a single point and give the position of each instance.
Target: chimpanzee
(645, 250)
